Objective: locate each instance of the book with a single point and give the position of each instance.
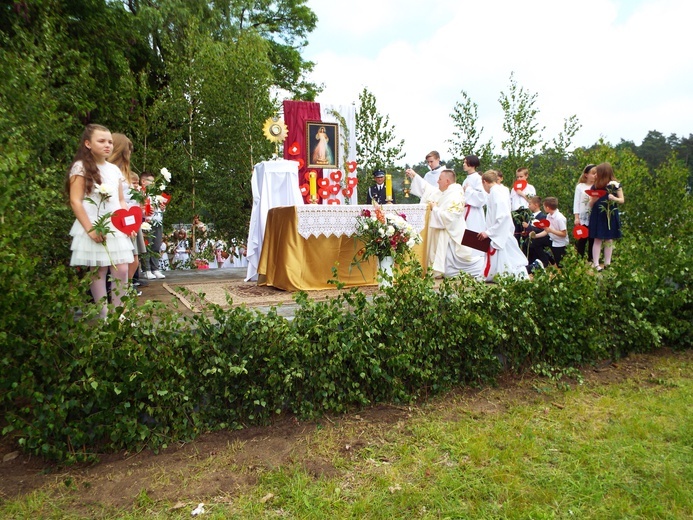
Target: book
(471, 239)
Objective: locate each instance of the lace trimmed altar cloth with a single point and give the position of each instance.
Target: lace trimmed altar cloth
(340, 220)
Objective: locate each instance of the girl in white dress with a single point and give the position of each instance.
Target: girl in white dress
(94, 187)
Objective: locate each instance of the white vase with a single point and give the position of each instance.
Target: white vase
(385, 267)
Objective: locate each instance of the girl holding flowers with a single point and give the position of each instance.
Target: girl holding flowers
(95, 192)
(605, 221)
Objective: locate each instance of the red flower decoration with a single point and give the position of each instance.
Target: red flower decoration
(294, 149)
(333, 201)
(324, 193)
(348, 192)
(352, 181)
(520, 185)
(581, 231)
(542, 224)
(305, 189)
(336, 176)
(352, 166)
(335, 189)
(323, 182)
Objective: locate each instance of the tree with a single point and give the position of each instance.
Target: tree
(376, 146)
(520, 125)
(654, 149)
(466, 136)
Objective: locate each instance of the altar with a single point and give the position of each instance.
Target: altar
(302, 244)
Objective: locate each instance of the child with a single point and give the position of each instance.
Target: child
(519, 200)
(92, 178)
(605, 221)
(581, 208)
(164, 264)
(557, 231)
(120, 156)
(156, 219)
(535, 246)
(182, 250)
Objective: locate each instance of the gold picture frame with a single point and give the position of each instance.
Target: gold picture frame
(322, 145)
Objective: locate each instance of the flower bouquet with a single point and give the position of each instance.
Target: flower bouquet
(384, 235)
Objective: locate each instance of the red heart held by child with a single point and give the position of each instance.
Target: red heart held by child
(127, 220)
(542, 224)
(520, 185)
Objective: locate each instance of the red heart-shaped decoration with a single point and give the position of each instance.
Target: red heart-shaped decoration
(324, 193)
(305, 189)
(352, 166)
(336, 176)
(347, 192)
(352, 181)
(581, 231)
(596, 193)
(323, 182)
(335, 189)
(520, 185)
(166, 196)
(301, 163)
(294, 149)
(333, 201)
(542, 224)
(127, 220)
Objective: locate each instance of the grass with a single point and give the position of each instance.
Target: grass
(593, 451)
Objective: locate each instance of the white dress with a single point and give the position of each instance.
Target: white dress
(505, 256)
(117, 249)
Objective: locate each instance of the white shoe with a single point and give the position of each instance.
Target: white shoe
(158, 274)
(149, 275)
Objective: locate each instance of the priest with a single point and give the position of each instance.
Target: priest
(504, 256)
(446, 255)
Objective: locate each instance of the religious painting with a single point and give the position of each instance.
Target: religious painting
(322, 144)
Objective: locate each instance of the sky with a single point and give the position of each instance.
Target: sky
(623, 67)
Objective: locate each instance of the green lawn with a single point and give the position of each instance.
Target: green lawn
(536, 450)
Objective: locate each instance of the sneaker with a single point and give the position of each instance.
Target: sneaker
(158, 274)
(149, 275)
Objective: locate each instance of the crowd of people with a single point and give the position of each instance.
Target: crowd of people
(485, 229)
(101, 181)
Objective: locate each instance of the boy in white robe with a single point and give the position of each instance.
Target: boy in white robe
(505, 256)
(446, 255)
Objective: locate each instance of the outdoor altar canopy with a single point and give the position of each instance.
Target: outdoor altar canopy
(303, 243)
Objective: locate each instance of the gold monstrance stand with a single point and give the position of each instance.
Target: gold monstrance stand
(275, 131)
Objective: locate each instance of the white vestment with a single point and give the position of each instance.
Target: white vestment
(475, 197)
(432, 176)
(446, 255)
(505, 256)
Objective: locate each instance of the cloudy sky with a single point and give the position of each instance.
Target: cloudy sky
(623, 67)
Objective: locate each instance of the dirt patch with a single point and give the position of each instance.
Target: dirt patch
(218, 466)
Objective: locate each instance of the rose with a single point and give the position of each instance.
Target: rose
(146, 226)
(166, 174)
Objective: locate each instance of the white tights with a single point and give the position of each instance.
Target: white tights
(597, 249)
(119, 274)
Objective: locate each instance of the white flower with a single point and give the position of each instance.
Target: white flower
(365, 227)
(381, 232)
(160, 199)
(162, 187)
(166, 174)
(103, 189)
(146, 226)
(411, 243)
(390, 231)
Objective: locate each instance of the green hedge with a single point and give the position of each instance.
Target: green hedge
(73, 387)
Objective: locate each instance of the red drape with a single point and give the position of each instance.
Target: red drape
(296, 113)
